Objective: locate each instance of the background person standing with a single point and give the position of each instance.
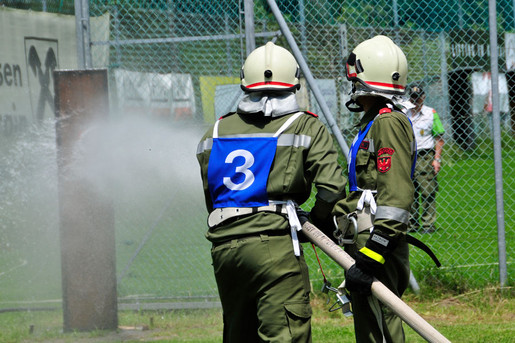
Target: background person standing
(429, 135)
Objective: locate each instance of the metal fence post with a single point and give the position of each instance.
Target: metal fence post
(444, 72)
(83, 34)
(496, 132)
(309, 77)
(250, 39)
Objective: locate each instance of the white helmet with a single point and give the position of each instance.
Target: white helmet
(270, 68)
(377, 67)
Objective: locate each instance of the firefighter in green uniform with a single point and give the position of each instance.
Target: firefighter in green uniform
(381, 162)
(258, 165)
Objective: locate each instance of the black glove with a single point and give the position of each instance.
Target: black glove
(377, 249)
(369, 262)
(303, 217)
(358, 281)
(326, 225)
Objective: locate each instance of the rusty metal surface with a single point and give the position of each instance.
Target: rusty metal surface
(86, 215)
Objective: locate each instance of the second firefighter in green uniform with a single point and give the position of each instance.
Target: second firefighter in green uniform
(381, 162)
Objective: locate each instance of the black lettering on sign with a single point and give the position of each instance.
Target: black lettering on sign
(43, 73)
(10, 75)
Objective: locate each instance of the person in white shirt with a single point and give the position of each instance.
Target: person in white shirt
(429, 136)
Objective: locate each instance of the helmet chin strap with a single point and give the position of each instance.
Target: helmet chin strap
(353, 106)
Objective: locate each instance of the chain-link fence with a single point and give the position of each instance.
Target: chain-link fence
(177, 62)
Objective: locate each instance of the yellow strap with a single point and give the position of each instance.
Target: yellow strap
(373, 255)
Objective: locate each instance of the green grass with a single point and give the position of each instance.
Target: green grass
(486, 315)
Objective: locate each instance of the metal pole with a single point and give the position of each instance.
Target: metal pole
(83, 34)
(496, 132)
(228, 49)
(344, 87)
(309, 77)
(424, 55)
(79, 34)
(302, 17)
(116, 35)
(395, 10)
(513, 9)
(444, 73)
(87, 34)
(250, 39)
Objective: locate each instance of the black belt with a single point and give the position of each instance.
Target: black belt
(415, 242)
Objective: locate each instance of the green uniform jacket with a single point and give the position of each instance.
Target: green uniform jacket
(307, 156)
(391, 132)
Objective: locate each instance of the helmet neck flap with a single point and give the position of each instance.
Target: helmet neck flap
(274, 104)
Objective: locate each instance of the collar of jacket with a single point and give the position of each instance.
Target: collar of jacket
(374, 112)
(269, 105)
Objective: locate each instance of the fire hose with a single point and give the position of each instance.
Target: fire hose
(379, 290)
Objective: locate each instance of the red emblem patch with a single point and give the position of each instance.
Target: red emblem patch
(364, 145)
(384, 159)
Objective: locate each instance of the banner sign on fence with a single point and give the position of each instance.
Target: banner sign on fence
(34, 45)
(470, 49)
(162, 95)
(208, 85)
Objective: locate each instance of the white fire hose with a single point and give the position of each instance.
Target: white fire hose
(379, 290)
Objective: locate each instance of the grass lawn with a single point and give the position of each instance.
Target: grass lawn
(478, 316)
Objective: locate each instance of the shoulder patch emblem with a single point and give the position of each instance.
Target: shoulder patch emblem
(364, 145)
(384, 159)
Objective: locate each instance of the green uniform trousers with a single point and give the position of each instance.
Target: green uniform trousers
(426, 186)
(264, 289)
(372, 319)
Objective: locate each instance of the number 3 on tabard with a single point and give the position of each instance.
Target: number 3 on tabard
(244, 169)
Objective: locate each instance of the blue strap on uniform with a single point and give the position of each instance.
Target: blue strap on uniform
(353, 183)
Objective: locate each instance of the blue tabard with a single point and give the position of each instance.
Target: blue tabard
(238, 171)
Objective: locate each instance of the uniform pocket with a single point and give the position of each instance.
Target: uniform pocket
(301, 310)
(298, 316)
